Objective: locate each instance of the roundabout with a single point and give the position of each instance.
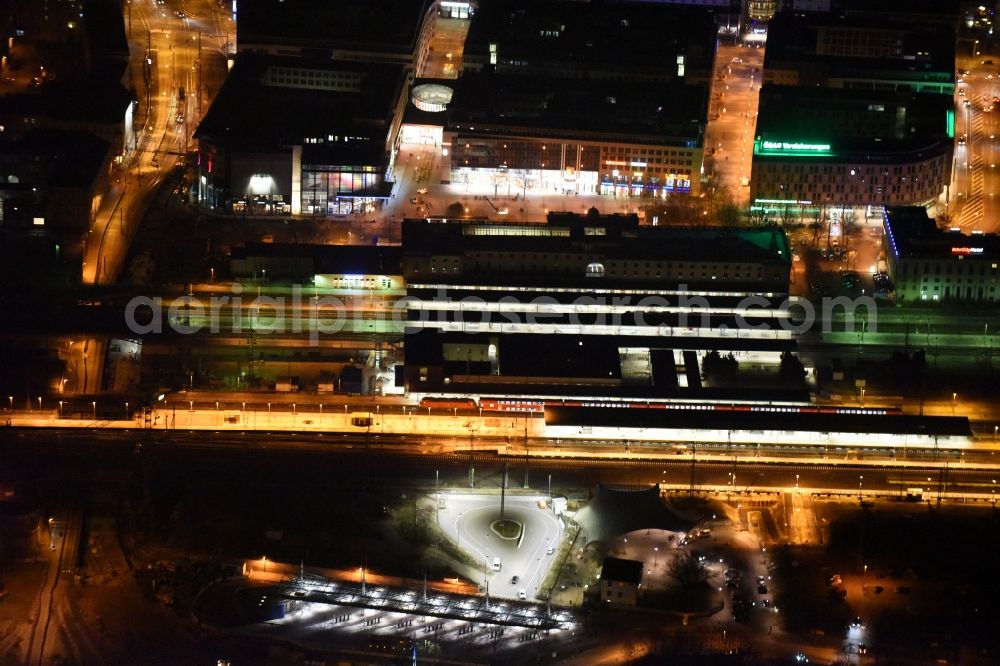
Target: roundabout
(521, 544)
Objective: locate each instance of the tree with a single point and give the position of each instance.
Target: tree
(791, 368)
(687, 570)
(455, 210)
(716, 365)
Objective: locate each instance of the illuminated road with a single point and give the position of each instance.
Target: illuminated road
(168, 52)
(467, 519)
(976, 176)
(733, 117)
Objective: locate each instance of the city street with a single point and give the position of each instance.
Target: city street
(733, 117)
(467, 519)
(973, 197)
(168, 52)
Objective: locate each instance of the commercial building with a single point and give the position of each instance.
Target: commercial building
(549, 101)
(587, 305)
(853, 51)
(620, 581)
(840, 147)
(291, 135)
(513, 134)
(927, 263)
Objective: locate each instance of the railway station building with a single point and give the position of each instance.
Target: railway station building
(587, 305)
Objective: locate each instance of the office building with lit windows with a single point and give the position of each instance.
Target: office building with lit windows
(829, 147)
(930, 264)
(296, 136)
(587, 305)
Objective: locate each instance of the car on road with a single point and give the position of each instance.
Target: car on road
(834, 580)
(967, 104)
(961, 92)
(762, 589)
(857, 623)
(550, 550)
(521, 594)
(801, 658)
(181, 15)
(422, 190)
(961, 140)
(496, 564)
(515, 580)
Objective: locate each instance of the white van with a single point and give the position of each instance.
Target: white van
(496, 564)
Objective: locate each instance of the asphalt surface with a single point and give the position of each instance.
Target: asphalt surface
(467, 519)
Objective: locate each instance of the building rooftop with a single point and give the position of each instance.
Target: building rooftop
(813, 45)
(912, 234)
(323, 28)
(638, 40)
(97, 99)
(340, 111)
(809, 122)
(943, 11)
(104, 24)
(69, 158)
(327, 259)
(619, 570)
(603, 237)
(669, 113)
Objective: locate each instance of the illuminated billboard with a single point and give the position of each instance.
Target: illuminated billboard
(769, 147)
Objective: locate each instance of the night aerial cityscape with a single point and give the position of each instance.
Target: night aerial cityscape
(467, 332)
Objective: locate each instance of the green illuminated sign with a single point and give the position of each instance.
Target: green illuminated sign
(765, 147)
(949, 123)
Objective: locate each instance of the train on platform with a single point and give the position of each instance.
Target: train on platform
(529, 406)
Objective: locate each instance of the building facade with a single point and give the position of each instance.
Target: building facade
(256, 158)
(621, 581)
(851, 147)
(929, 264)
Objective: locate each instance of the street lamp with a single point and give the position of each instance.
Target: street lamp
(39, 403)
(126, 409)
(60, 408)
(954, 401)
(861, 479)
(10, 399)
(93, 403)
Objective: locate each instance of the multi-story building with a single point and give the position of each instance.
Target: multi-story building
(331, 158)
(851, 147)
(586, 305)
(518, 134)
(853, 51)
(927, 263)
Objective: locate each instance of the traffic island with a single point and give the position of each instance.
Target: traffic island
(507, 529)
